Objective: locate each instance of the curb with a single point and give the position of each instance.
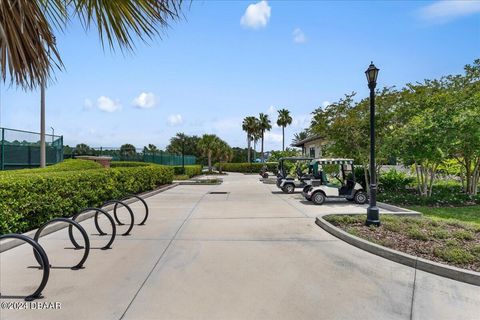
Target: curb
(458, 274)
(10, 244)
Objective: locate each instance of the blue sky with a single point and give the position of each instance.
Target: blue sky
(230, 59)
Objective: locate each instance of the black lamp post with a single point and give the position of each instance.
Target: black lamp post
(373, 216)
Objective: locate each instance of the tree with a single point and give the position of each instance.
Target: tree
(182, 142)
(128, 151)
(28, 38)
(249, 126)
(223, 153)
(284, 119)
(208, 144)
(82, 149)
(264, 124)
(302, 135)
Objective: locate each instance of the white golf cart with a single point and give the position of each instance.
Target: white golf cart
(345, 187)
(288, 183)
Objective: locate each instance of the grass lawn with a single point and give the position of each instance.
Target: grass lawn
(468, 214)
(448, 241)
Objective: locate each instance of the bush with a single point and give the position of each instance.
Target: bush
(394, 180)
(28, 200)
(67, 165)
(118, 164)
(190, 170)
(246, 167)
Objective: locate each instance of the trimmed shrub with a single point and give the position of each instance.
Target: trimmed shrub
(190, 170)
(123, 164)
(67, 165)
(246, 167)
(394, 180)
(28, 200)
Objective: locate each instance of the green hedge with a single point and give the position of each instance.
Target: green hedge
(190, 170)
(67, 165)
(122, 164)
(246, 167)
(28, 200)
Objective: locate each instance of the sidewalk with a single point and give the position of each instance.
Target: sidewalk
(253, 253)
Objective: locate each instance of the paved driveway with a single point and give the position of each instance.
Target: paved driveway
(253, 253)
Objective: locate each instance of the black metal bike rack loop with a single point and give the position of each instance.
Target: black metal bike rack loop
(76, 225)
(44, 263)
(117, 202)
(131, 195)
(97, 211)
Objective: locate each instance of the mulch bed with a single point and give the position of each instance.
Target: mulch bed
(449, 242)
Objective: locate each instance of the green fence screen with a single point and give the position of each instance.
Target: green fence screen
(21, 149)
(158, 157)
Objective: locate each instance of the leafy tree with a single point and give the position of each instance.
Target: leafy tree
(28, 38)
(264, 124)
(128, 151)
(284, 119)
(82, 149)
(276, 155)
(151, 148)
(239, 154)
(189, 143)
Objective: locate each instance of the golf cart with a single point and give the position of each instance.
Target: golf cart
(319, 190)
(288, 183)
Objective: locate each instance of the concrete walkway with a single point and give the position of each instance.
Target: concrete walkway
(253, 253)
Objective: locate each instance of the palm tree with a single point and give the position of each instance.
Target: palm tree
(264, 124)
(209, 144)
(302, 135)
(284, 119)
(248, 125)
(223, 153)
(27, 42)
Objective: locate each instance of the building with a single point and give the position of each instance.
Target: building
(311, 146)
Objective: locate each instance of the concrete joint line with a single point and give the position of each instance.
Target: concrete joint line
(163, 253)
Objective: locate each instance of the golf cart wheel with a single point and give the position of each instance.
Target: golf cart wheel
(361, 197)
(350, 199)
(289, 188)
(318, 197)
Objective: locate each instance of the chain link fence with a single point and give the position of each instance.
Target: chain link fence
(21, 149)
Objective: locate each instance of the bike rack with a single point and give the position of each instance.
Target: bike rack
(97, 210)
(144, 203)
(117, 202)
(44, 263)
(76, 225)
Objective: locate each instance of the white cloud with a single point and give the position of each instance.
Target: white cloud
(272, 111)
(107, 104)
(257, 15)
(273, 137)
(444, 11)
(87, 104)
(301, 121)
(145, 100)
(174, 119)
(299, 36)
(325, 104)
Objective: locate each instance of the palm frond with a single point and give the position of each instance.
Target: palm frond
(27, 43)
(118, 22)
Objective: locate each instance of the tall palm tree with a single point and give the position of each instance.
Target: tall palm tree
(248, 125)
(256, 135)
(284, 119)
(264, 125)
(208, 144)
(302, 135)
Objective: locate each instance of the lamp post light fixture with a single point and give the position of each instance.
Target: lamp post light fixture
(373, 214)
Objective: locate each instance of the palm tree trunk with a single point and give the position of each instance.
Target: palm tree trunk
(248, 148)
(263, 138)
(209, 160)
(43, 153)
(283, 138)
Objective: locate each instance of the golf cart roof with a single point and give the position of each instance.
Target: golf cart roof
(333, 161)
(295, 158)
